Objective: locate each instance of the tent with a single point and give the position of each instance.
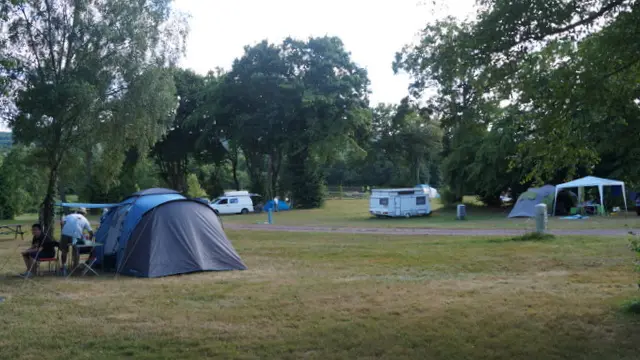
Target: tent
(527, 201)
(433, 192)
(158, 232)
(590, 181)
(282, 206)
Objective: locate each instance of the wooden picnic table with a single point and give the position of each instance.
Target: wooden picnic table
(12, 230)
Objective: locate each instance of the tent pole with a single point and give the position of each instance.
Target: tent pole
(555, 199)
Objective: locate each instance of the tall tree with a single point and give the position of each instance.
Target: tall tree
(332, 108)
(174, 152)
(570, 70)
(256, 102)
(88, 71)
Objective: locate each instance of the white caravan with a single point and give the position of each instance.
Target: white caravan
(399, 202)
(233, 202)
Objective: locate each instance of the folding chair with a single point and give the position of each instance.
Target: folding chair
(55, 261)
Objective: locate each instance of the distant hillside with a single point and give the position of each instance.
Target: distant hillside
(5, 140)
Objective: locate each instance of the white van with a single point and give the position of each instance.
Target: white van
(233, 202)
(399, 202)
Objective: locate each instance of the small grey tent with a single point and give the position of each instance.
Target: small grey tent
(527, 201)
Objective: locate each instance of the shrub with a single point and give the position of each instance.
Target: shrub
(448, 197)
(533, 236)
(194, 190)
(632, 307)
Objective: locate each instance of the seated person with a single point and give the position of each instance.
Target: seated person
(41, 247)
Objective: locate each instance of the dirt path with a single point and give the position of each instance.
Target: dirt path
(417, 231)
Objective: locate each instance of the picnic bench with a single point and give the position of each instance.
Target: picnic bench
(12, 230)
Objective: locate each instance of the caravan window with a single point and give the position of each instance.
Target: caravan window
(384, 201)
(233, 201)
(421, 200)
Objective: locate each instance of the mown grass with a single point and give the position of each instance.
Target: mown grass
(339, 296)
(355, 213)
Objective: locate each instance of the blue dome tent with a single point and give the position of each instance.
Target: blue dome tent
(159, 232)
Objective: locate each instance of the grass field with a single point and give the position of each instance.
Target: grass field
(355, 213)
(336, 296)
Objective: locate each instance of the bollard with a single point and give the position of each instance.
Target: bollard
(541, 218)
(461, 212)
(270, 217)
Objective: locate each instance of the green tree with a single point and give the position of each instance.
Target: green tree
(88, 70)
(194, 190)
(176, 149)
(255, 107)
(21, 183)
(331, 109)
(570, 69)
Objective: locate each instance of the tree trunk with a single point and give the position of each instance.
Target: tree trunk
(233, 155)
(255, 167)
(234, 171)
(88, 167)
(307, 188)
(62, 191)
(274, 169)
(47, 211)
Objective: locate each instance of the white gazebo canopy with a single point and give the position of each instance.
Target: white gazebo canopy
(590, 181)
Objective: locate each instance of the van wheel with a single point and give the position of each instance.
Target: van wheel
(244, 211)
(407, 215)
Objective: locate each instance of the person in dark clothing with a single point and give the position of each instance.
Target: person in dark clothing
(41, 247)
(638, 204)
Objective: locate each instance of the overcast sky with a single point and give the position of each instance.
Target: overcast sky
(372, 30)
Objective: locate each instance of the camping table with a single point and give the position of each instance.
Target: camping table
(87, 265)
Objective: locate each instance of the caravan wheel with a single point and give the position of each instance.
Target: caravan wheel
(407, 215)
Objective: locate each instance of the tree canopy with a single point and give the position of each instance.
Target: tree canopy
(540, 90)
(83, 72)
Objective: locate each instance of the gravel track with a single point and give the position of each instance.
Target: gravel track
(417, 231)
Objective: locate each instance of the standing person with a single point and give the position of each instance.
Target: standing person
(638, 204)
(73, 227)
(41, 247)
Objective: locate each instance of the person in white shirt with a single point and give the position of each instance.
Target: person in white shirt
(73, 227)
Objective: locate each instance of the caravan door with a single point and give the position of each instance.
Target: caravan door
(408, 206)
(397, 206)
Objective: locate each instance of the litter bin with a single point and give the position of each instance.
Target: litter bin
(541, 218)
(461, 212)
